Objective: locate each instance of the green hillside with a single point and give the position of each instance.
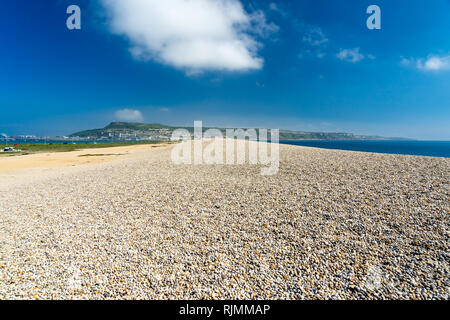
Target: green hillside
(118, 129)
(115, 126)
(135, 126)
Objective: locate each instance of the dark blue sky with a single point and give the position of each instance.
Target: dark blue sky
(322, 69)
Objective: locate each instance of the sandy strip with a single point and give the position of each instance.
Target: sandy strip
(72, 158)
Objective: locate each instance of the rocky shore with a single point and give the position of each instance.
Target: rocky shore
(330, 225)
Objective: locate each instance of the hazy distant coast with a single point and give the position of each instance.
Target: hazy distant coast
(126, 130)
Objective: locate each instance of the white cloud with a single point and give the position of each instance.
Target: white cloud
(431, 63)
(273, 6)
(260, 26)
(276, 8)
(164, 109)
(315, 37)
(194, 36)
(318, 45)
(129, 115)
(434, 63)
(315, 42)
(406, 62)
(350, 55)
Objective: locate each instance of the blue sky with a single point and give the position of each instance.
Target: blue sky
(302, 65)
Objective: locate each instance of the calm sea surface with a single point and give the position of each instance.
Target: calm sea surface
(418, 148)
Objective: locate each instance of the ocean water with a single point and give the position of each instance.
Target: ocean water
(417, 148)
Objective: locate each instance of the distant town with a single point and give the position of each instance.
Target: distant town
(125, 131)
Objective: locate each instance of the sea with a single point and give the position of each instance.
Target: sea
(408, 147)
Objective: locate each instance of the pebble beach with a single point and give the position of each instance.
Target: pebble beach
(330, 225)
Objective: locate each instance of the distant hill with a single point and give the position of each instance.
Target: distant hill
(156, 131)
(135, 126)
